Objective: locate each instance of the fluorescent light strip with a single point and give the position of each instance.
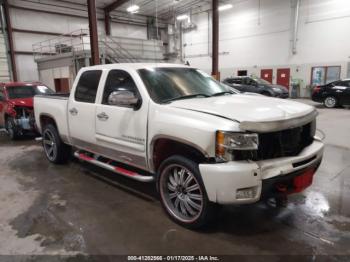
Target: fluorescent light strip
(133, 9)
(225, 7)
(182, 17)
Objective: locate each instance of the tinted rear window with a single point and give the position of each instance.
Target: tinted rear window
(87, 86)
(16, 92)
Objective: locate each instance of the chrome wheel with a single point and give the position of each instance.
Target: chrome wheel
(330, 102)
(181, 193)
(50, 145)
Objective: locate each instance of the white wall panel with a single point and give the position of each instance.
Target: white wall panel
(258, 39)
(39, 21)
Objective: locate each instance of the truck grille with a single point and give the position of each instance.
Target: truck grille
(283, 143)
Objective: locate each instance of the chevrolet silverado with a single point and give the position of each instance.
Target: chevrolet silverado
(203, 143)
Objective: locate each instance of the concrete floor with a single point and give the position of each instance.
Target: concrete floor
(47, 209)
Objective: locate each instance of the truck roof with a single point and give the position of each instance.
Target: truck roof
(134, 66)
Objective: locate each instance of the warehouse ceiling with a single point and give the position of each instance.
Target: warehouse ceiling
(165, 9)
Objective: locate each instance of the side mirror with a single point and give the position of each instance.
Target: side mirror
(123, 98)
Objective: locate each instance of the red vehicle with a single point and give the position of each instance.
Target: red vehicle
(16, 106)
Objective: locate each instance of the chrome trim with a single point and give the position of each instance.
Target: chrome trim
(136, 161)
(176, 139)
(135, 176)
(279, 125)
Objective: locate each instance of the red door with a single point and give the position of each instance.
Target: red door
(266, 74)
(62, 85)
(283, 77)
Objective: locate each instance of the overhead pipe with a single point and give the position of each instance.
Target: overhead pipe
(296, 26)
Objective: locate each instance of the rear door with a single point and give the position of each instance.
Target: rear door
(81, 110)
(2, 107)
(122, 132)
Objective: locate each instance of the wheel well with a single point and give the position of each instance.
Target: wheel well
(165, 148)
(45, 120)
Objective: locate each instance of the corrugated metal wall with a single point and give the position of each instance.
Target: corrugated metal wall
(4, 69)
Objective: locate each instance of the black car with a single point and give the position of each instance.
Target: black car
(257, 85)
(333, 94)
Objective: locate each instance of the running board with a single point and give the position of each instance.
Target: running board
(108, 165)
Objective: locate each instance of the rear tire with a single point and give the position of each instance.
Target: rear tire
(11, 128)
(330, 102)
(182, 192)
(56, 151)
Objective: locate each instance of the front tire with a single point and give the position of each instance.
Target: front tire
(11, 128)
(183, 194)
(330, 102)
(55, 150)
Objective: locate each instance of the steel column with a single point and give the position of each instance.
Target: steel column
(107, 23)
(215, 50)
(95, 56)
(10, 40)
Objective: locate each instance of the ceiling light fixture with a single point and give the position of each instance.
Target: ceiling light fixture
(133, 9)
(225, 7)
(182, 17)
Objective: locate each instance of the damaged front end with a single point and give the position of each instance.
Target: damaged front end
(20, 120)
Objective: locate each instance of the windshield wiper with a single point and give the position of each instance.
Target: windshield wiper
(223, 93)
(185, 97)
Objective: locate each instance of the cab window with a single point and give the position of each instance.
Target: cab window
(87, 86)
(118, 80)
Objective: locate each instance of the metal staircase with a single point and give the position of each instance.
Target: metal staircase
(112, 49)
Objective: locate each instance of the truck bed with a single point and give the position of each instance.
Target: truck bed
(52, 105)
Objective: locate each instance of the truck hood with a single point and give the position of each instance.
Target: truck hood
(255, 113)
(23, 102)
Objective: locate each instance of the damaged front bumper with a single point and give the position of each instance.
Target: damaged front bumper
(244, 182)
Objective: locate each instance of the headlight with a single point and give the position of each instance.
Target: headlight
(227, 142)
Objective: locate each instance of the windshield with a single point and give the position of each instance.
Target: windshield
(262, 81)
(16, 92)
(167, 84)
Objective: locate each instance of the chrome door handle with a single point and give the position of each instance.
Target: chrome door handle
(103, 116)
(73, 111)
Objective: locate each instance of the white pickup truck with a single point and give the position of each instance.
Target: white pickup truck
(202, 142)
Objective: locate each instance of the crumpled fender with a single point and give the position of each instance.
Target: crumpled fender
(10, 110)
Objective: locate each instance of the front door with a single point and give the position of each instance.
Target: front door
(267, 75)
(121, 131)
(283, 77)
(81, 110)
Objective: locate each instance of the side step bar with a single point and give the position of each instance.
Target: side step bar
(108, 165)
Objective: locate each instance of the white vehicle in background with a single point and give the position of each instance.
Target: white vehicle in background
(203, 143)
